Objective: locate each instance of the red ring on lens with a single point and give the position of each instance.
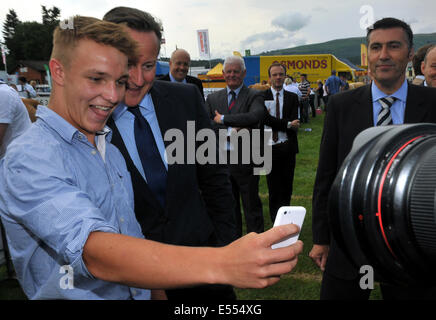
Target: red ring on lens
(378, 214)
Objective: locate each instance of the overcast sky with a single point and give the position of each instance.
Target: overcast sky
(258, 25)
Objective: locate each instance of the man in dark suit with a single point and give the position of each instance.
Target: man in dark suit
(233, 108)
(179, 66)
(282, 118)
(175, 203)
(390, 48)
(428, 67)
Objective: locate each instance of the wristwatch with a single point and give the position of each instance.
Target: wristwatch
(289, 126)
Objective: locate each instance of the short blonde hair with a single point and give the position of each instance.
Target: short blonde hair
(65, 39)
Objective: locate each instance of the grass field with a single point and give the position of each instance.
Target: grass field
(304, 282)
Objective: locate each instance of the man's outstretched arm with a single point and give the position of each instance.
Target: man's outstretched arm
(248, 262)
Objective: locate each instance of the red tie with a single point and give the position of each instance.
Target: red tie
(232, 100)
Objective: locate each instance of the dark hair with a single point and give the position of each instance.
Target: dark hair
(276, 64)
(389, 23)
(22, 79)
(135, 19)
(419, 57)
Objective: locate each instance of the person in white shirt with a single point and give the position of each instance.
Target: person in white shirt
(14, 118)
(282, 120)
(25, 90)
(292, 86)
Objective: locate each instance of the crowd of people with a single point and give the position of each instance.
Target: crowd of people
(88, 186)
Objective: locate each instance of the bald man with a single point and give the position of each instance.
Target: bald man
(428, 67)
(179, 66)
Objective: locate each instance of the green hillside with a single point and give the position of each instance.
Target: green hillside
(348, 48)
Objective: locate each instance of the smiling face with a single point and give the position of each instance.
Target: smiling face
(92, 86)
(142, 73)
(234, 75)
(428, 68)
(179, 64)
(388, 55)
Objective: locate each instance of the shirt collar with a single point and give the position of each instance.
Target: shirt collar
(174, 80)
(236, 90)
(400, 94)
(146, 103)
(274, 91)
(62, 126)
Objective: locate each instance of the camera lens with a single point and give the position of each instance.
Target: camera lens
(382, 203)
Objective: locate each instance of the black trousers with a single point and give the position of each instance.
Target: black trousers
(341, 282)
(312, 105)
(333, 288)
(304, 110)
(245, 187)
(280, 179)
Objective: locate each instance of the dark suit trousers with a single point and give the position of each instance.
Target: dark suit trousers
(333, 288)
(245, 186)
(280, 179)
(345, 284)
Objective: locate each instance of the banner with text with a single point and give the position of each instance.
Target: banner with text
(203, 43)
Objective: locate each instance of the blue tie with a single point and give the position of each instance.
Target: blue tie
(154, 168)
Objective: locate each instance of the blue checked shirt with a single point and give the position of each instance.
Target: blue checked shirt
(55, 189)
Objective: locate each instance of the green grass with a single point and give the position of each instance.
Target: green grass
(304, 282)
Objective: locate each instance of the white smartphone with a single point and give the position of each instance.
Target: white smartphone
(287, 215)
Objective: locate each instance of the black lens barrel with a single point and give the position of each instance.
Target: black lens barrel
(382, 203)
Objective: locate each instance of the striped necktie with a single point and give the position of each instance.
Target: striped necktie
(384, 117)
(232, 100)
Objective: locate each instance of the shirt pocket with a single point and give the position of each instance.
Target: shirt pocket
(123, 190)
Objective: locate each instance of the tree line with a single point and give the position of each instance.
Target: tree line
(29, 40)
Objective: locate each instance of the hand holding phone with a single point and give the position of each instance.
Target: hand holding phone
(287, 215)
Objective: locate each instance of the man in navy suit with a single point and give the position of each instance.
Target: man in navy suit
(179, 66)
(194, 206)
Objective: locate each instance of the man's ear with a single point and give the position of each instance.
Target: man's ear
(57, 72)
(411, 53)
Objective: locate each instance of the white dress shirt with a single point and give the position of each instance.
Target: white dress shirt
(271, 107)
